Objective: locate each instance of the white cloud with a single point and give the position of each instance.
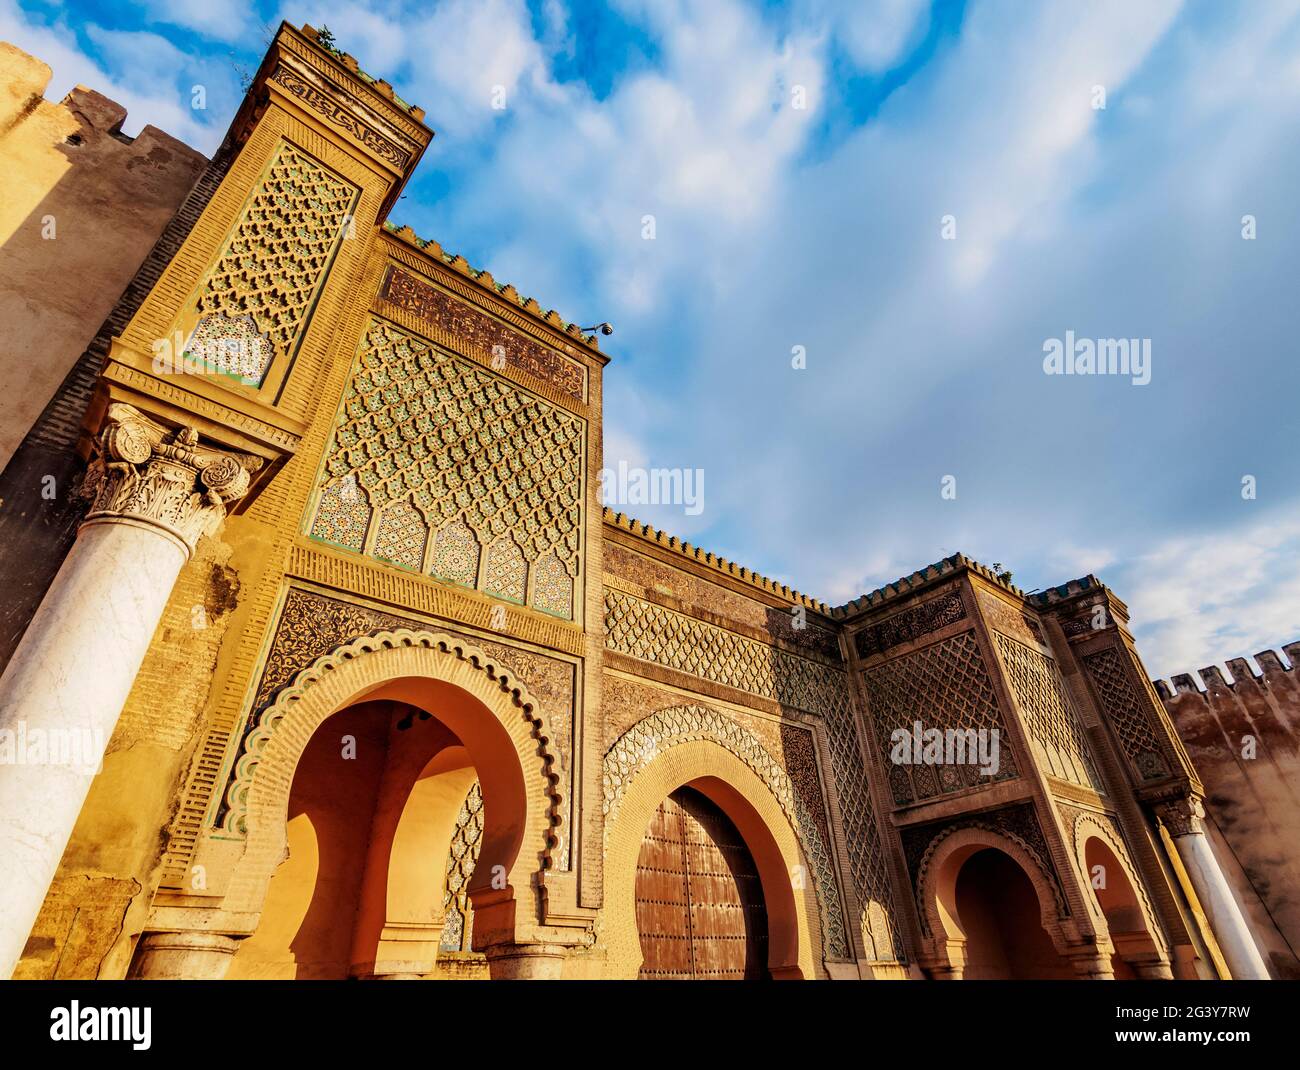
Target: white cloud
(1197, 600)
(228, 20)
(875, 33)
(700, 142)
(493, 60)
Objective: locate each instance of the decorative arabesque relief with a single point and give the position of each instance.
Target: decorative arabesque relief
(255, 300)
(486, 334)
(455, 468)
(644, 630)
(943, 686)
(910, 624)
(461, 860)
(312, 625)
(1128, 715)
(339, 115)
(1054, 726)
(646, 739)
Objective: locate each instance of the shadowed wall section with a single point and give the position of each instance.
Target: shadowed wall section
(1243, 733)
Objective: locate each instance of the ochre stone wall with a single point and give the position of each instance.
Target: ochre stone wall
(1243, 735)
(107, 198)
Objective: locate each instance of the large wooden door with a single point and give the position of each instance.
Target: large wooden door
(699, 902)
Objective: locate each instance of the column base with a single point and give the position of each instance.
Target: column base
(1093, 965)
(191, 956)
(525, 962)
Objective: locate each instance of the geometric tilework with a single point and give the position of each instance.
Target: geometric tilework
(231, 345)
(505, 571)
(343, 515)
(1053, 723)
(876, 921)
(274, 261)
(810, 812)
(455, 554)
(463, 446)
(652, 633)
(552, 588)
(401, 535)
(1125, 712)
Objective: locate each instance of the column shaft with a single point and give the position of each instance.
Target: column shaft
(60, 699)
(1225, 916)
(155, 492)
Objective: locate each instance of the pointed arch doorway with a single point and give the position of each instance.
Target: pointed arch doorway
(699, 899)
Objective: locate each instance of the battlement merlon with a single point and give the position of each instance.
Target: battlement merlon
(327, 88)
(1209, 679)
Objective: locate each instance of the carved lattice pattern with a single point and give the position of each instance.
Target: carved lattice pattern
(401, 535)
(641, 743)
(1053, 723)
(343, 515)
(866, 857)
(1125, 710)
(653, 633)
(276, 257)
(455, 554)
(943, 686)
(461, 860)
(460, 444)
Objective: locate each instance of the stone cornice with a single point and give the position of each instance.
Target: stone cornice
(502, 300)
(713, 566)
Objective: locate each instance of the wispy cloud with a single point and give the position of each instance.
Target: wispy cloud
(1209, 597)
(923, 355)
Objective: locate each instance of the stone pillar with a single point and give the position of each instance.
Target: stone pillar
(1184, 818)
(525, 962)
(1092, 964)
(188, 956)
(156, 491)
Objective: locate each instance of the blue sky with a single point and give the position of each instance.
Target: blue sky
(822, 227)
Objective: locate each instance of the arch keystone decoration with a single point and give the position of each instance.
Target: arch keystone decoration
(418, 667)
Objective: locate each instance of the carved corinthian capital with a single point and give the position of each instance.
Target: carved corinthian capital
(1182, 817)
(146, 474)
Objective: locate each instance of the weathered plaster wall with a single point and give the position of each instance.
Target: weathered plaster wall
(1243, 734)
(68, 171)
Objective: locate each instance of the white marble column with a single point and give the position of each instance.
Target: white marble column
(1184, 818)
(155, 493)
